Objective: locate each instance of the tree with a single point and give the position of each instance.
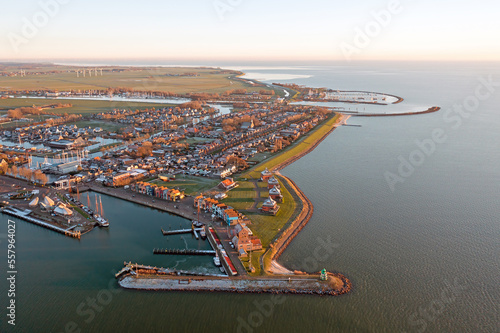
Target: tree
(44, 179)
(15, 114)
(3, 167)
(237, 161)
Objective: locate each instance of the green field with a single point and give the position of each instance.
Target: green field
(79, 106)
(209, 80)
(191, 185)
(105, 125)
(267, 226)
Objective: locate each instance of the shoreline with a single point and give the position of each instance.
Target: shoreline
(284, 239)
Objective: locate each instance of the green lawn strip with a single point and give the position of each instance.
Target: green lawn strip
(255, 263)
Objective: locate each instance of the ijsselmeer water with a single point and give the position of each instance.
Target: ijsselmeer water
(423, 256)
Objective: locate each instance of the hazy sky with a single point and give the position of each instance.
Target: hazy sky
(248, 30)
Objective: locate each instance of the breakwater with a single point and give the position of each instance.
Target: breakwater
(429, 110)
(312, 285)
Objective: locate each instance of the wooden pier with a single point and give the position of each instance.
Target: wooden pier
(176, 232)
(23, 214)
(185, 252)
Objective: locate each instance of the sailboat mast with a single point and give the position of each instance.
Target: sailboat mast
(100, 201)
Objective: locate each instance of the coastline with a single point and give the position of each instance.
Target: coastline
(285, 237)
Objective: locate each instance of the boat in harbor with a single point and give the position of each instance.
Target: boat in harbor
(197, 224)
(101, 221)
(217, 261)
(203, 234)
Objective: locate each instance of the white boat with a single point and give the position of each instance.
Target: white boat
(203, 234)
(101, 221)
(197, 224)
(216, 261)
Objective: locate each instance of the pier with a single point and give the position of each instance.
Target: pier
(23, 214)
(138, 269)
(176, 232)
(185, 252)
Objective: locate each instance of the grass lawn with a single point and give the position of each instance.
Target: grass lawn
(191, 185)
(255, 263)
(267, 226)
(105, 125)
(242, 197)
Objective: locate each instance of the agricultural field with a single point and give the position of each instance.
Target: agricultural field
(168, 79)
(79, 106)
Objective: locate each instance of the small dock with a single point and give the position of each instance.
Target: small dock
(194, 231)
(134, 269)
(176, 232)
(185, 252)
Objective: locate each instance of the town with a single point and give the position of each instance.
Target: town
(189, 154)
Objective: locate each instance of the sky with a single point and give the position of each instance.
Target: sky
(249, 30)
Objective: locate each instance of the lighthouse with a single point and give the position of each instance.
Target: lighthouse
(324, 275)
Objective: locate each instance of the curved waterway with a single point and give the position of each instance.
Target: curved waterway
(423, 258)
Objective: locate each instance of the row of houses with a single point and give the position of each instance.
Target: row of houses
(243, 237)
(270, 205)
(160, 192)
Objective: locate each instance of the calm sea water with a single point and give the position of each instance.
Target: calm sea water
(422, 258)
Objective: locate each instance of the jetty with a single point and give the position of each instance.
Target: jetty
(185, 252)
(24, 215)
(335, 284)
(131, 269)
(194, 231)
(176, 232)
